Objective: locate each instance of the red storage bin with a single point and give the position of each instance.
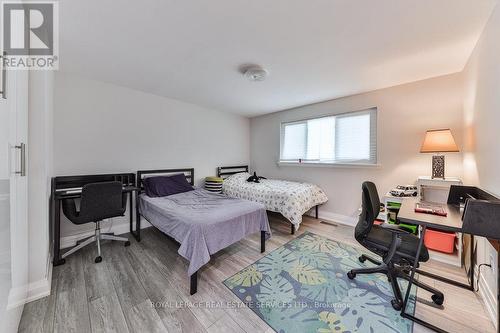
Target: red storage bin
(440, 241)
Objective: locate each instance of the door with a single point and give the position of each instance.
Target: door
(5, 258)
(14, 191)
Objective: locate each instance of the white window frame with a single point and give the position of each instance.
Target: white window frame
(372, 162)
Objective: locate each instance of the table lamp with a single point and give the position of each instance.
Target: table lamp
(438, 141)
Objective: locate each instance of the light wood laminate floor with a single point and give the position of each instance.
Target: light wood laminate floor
(117, 294)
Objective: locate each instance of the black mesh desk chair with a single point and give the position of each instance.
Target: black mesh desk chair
(396, 246)
(99, 201)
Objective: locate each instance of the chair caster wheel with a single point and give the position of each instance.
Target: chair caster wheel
(437, 299)
(127, 243)
(98, 259)
(351, 275)
(396, 305)
(362, 259)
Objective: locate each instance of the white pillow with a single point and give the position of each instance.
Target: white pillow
(238, 177)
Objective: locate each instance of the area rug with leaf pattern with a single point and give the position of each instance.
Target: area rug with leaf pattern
(302, 287)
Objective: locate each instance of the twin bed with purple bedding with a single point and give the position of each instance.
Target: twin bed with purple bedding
(202, 222)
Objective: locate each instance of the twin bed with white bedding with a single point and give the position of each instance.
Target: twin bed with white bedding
(290, 199)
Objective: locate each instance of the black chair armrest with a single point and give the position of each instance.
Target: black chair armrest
(396, 232)
(394, 228)
(124, 201)
(69, 209)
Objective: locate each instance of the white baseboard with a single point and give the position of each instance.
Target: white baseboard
(39, 289)
(334, 217)
(33, 291)
(342, 219)
(489, 298)
(117, 229)
(17, 297)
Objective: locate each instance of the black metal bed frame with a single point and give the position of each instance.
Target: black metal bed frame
(227, 171)
(232, 170)
(189, 173)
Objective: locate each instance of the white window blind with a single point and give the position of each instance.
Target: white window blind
(344, 138)
(295, 135)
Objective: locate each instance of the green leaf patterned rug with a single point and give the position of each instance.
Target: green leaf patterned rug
(302, 287)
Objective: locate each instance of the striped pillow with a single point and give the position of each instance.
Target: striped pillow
(213, 184)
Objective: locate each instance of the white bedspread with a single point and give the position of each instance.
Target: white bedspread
(291, 199)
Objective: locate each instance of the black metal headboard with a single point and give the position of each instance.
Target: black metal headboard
(231, 170)
(189, 173)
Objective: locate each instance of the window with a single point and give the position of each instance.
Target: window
(349, 138)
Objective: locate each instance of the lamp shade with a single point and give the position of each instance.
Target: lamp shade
(439, 141)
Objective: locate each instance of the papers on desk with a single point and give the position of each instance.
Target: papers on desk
(74, 191)
(69, 189)
(430, 208)
(78, 190)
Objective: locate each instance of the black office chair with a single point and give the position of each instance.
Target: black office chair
(396, 246)
(99, 201)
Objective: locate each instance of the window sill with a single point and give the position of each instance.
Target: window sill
(328, 165)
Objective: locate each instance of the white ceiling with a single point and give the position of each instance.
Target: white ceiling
(191, 50)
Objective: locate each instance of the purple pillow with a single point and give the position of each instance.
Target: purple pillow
(161, 186)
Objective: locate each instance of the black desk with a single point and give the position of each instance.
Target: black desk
(67, 187)
(451, 223)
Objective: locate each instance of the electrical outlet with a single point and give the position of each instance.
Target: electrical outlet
(492, 262)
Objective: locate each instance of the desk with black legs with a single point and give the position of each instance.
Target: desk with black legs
(66, 187)
(451, 223)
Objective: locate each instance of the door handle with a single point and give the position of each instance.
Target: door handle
(22, 149)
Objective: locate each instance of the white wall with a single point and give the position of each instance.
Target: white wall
(405, 112)
(481, 128)
(104, 128)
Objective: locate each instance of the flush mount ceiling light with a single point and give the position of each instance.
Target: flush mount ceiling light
(255, 73)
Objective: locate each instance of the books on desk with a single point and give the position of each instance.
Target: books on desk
(430, 208)
(78, 190)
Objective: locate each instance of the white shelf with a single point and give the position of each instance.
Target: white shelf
(446, 180)
(435, 190)
(447, 258)
(382, 216)
(389, 197)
